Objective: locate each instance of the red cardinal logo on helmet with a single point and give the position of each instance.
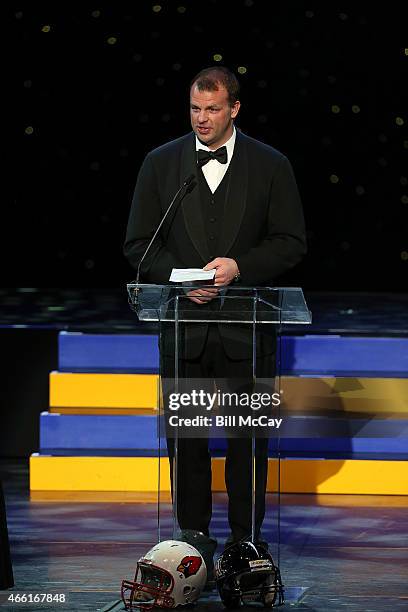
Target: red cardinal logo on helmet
(189, 565)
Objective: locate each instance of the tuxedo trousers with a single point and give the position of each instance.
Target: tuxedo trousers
(194, 496)
(6, 572)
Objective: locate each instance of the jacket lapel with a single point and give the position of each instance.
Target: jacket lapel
(236, 197)
(191, 204)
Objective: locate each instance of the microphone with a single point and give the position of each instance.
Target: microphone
(185, 184)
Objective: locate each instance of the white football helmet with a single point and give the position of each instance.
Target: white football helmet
(170, 574)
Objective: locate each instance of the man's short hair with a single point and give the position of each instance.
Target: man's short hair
(211, 78)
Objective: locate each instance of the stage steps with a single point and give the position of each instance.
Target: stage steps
(102, 419)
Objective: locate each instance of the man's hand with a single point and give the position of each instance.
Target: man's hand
(225, 270)
(202, 296)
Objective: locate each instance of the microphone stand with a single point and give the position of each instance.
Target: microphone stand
(185, 184)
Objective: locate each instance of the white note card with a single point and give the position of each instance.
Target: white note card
(183, 275)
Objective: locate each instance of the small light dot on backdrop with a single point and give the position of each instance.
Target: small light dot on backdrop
(404, 199)
(335, 109)
(334, 178)
(46, 28)
(242, 70)
(112, 40)
(399, 121)
(19, 15)
(343, 16)
(96, 14)
(156, 8)
(181, 9)
(217, 57)
(355, 109)
(404, 255)
(29, 130)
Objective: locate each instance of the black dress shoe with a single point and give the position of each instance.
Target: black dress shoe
(206, 547)
(259, 541)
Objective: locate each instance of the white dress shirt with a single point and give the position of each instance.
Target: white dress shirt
(213, 171)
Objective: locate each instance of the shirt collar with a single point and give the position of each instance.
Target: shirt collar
(229, 144)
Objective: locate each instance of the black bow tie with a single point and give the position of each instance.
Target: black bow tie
(204, 156)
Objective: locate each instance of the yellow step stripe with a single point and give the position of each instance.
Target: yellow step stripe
(144, 497)
(141, 474)
(111, 411)
(345, 394)
(360, 396)
(103, 390)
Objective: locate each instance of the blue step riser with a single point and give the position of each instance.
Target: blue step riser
(301, 355)
(138, 435)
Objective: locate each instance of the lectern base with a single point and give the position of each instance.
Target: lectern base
(292, 595)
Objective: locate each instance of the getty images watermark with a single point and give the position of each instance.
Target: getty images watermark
(219, 413)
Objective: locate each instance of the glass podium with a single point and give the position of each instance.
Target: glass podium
(254, 315)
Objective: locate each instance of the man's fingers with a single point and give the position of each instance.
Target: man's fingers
(220, 278)
(210, 292)
(201, 296)
(212, 264)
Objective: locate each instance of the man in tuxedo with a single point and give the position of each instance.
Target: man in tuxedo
(242, 217)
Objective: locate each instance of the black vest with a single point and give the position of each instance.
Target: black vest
(213, 206)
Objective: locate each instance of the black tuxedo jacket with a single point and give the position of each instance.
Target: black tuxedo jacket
(263, 225)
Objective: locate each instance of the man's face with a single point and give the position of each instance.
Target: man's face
(211, 116)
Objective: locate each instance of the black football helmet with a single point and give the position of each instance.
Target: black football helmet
(245, 572)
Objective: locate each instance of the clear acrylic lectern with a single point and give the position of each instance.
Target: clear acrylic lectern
(250, 307)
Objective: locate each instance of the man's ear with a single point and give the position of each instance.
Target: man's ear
(235, 108)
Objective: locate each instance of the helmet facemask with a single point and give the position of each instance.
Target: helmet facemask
(151, 587)
(258, 586)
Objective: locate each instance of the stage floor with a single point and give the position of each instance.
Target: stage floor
(351, 552)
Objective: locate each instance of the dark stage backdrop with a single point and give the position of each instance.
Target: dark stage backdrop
(99, 85)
